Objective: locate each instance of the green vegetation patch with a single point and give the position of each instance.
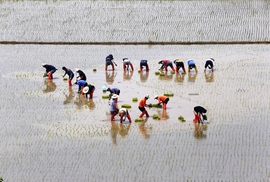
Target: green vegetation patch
(135, 99)
(105, 96)
(94, 69)
(204, 117)
(139, 120)
(157, 73)
(168, 94)
(155, 116)
(126, 106)
(155, 105)
(181, 118)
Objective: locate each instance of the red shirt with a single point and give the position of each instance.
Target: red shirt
(142, 103)
(165, 61)
(161, 98)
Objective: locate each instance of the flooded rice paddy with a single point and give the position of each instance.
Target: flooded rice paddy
(51, 133)
(135, 21)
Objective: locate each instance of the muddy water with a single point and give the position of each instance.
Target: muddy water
(50, 133)
(134, 21)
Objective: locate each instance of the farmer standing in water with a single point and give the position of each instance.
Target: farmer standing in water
(70, 75)
(142, 105)
(109, 61)
(162, 100)
(209, 64)
(50, 69)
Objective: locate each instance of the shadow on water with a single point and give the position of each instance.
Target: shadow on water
(50, 86)
(144, 76)
(127, 75)
(110, 76)
(209, 76)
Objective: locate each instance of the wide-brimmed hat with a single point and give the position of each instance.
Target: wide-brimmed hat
(77, 69)
(114, 96)
(146, 96)
(156, 96)
(85, 89)
(212, 59)
(43, 64)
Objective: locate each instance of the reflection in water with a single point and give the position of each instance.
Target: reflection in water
(163, 114)
(198, 131)
(121, 129)
(83, 103)
(179, 77)
(88, 103)
(50, 86)
(192, 76)
(114, 132)
(209, 77)
(69, 97)
(110, 76)
(167, 75)
(144, 76)
(143, 129)
(127, 75)
(78, 102)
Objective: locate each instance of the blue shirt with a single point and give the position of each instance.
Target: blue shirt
(191, 62)
(112, 105)
(114, 90)
(81, 82)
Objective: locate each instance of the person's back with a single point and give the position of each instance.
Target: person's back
(49, 67)
(200, 109)
(191, 62)
(81, 82)
(109, 61)
(113, 105)
(123, 113)
(199, 114)
(191, 65)
(209, 64)
(126, 64)
(142, 103)
(162, 98)
(144, 63)
(109, 58)
(113, 90)
(81, 74)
